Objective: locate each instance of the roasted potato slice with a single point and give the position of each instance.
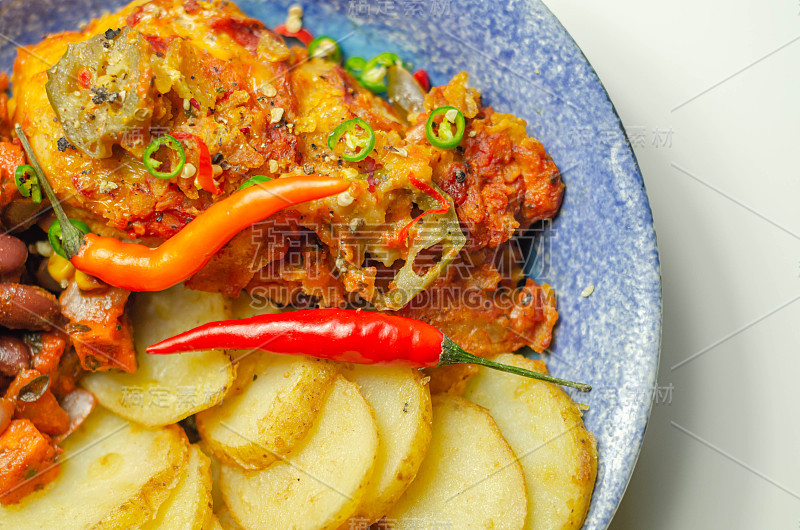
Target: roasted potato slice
(470, 477)
(212, 523)
(545, 430)
(114, 474)
(270, 409)
(402, 405)
(167, 388)
(226, 520)
(321, 483)
(189, 504)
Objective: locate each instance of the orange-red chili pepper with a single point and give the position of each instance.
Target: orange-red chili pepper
(350, 336)
(140, 268)
(205, 173)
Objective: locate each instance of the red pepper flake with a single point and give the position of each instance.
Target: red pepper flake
(422, 78)
(245, 31)
(303, 35)
(158, 43)
(191, 7)
(399, 238)
(455, 185)
(85, 78)
(195, 104)
(205, 173)
(135, 17)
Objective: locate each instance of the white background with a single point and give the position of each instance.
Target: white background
(724, 78)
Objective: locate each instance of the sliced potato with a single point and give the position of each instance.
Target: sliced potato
(216, 494)
(167, 388)
(226, 520)
(470, 477)
(114, 474)
(270, 409)
(545, 429)
(402, 406)
(321, 483)
(189, 504)
(212, 523)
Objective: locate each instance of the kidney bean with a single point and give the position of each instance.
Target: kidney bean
(44, 279)
(13, 254)
(26, 307)
(78, 404)
(14, 355)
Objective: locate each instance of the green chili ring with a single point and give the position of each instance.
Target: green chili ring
(54, 234)
(444, 138)
(252, 181)
(151, 164)
(354, 66)
(374, 74)
(28, 183)
(366, 142)
(325, 48)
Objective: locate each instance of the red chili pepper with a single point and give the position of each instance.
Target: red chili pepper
(400, 237)
(303, 35)
(422, 78)
(85, 78)
(361, 337)
(205, 173)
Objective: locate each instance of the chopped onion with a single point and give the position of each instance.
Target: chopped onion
(404, 91)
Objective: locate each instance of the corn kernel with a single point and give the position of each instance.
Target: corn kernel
(87, 282)
(59, 268)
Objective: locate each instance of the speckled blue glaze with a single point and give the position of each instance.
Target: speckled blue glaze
(524, 62)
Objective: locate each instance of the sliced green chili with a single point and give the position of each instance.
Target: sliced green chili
(359, 139)
(444, 137)
(252, 181)
(55, 235)
(326, 48)
(152, 164)
(354, 66)
(28, 183)
(373, 77)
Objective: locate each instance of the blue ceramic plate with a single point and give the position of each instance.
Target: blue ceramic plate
(524, 62)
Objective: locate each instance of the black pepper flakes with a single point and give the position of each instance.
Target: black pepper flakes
(460, 176)
(63, 144)
(101, 95)
(217, 158)
(111, 33)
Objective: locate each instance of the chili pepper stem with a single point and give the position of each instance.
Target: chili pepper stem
(72, 237)
(452, 353)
